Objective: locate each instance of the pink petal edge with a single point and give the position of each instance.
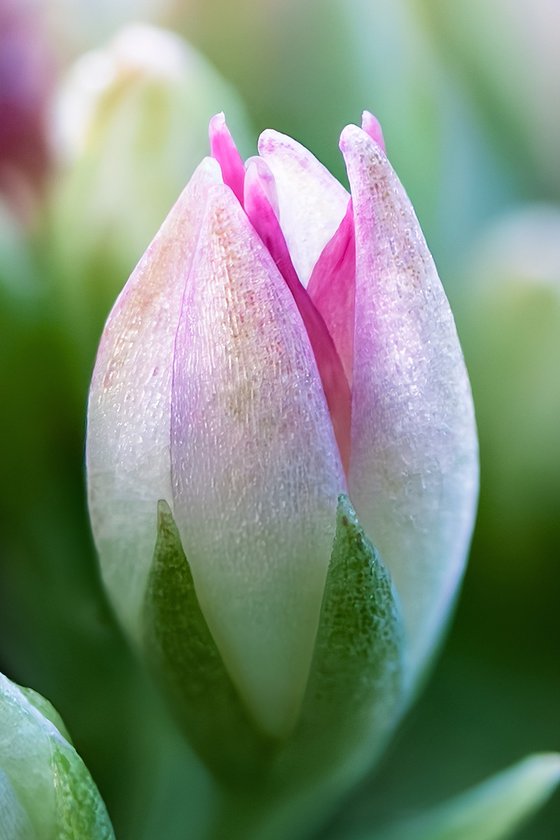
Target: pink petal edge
(372, 127)
(335, 384)
(332, 288)
(224, 150)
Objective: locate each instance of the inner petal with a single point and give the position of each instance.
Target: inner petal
(224, 150)
(312, 202)
(372, 126)
(332, 289)
(259, 209)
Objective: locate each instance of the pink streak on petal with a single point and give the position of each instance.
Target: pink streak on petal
(335, 384)
(224, 150)
(332, 289)
(372, 126)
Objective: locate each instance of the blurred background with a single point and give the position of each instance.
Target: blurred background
(103, 116)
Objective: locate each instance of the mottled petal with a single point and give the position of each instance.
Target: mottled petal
(256, 472)
(413, 473)
(259, 209)
(128, 416)
(312, 203)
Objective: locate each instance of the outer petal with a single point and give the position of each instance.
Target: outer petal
(256, 471)
(129, 407)
(312, 203)
(414, 466)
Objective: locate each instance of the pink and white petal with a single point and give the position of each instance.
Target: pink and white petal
(259, 192)
(311, 202)
(414, 462)
(331, 288)
(256, 472)
(128, 460)
(372, 126)
(224, 150)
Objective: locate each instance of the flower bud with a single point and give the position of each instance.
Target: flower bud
(284, 345)
(45, 788)
(129, 129)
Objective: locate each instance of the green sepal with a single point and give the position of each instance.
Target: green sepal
(354, 694)
(353, 697)
(493, 810)
(80, 811)
(183, 653)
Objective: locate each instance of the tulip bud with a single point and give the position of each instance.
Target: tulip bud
(45, 788)
(282, 346)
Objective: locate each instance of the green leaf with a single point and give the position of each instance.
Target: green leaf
(493, 810)
(183, 652)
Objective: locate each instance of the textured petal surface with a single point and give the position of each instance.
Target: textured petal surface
(129, 408)
(256, 472)
(311, 202)
(414, 465)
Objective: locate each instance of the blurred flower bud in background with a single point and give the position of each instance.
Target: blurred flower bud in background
(128, 134)
(510, 319)
(26, 83)
(505, 55)
(79, 25)
(45, 788)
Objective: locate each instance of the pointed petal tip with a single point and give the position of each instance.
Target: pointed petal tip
(259, 179)
(269, 139)
(223, 148)
(354, 139)
(217, 121)
(210, 167)
(372, 127)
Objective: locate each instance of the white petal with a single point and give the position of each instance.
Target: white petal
(128, 456)
(414, 465)
(312, 203)
(255, 465)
